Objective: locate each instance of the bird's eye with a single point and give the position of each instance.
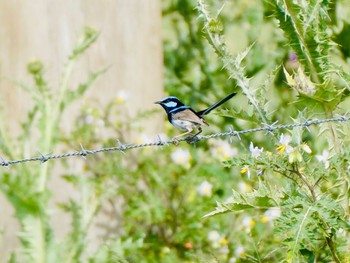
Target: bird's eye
(170, 104)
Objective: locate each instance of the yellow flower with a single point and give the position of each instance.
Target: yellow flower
(223, 241)
(248, 223)
(264, 219)
(280, 149)
(252, 223)
(245, 170)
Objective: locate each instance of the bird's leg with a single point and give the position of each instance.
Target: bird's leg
(190, 139)
(199, 131)
(176, 140)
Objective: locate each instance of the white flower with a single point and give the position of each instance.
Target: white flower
(100, 123)
(271, 214)
(342, 232)
(255, 150)
(248, 223)
(223, 150)
(284, 144)
(181, 157)
(285, 139)
(143, 138)
(205, 189)
(217, 240)
(166, 250)
(324, 158)
(243, 187)
(306, 148)
(239, 252)
(122, 96)
(89, 119)
(224, 250)
(214, 236)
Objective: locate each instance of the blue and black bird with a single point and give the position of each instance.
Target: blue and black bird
(184, 117)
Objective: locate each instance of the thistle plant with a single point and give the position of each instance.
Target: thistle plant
(26, 186)
(312, 215)
(271, 195)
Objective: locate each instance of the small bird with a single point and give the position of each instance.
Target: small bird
(184, 117)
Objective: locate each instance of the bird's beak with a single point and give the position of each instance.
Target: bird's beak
(157, 102)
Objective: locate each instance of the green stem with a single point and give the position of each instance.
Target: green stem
(329, 240)
(296, 171)
(343, 171)
(52, 119)
(331, 247)
(7, 146)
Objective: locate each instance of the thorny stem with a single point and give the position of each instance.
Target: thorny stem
(343, 173)
(337, 149)
(232, 65)
(332, 249)
(289, 177)
(329, 239)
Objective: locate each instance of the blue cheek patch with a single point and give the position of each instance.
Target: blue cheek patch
(170, 104)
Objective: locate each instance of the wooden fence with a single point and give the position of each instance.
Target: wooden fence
(129, 42)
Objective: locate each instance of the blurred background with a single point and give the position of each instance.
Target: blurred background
(87, 73)
(130, 45)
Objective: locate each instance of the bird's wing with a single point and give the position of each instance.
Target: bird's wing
(188, 115)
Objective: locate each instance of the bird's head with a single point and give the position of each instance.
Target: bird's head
(170, 103)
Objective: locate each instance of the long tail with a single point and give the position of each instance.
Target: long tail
(205, 112)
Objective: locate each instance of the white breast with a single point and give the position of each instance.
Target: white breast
(184, 125)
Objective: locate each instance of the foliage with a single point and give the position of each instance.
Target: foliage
(264, 198)
(26, 187)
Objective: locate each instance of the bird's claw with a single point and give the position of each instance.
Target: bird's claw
(192, 139)
(176, 141)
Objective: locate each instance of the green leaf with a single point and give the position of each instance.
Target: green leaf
(263, 198)
(306, 32)
(306, 225)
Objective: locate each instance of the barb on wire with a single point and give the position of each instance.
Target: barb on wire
(269, 128)
(44, 157)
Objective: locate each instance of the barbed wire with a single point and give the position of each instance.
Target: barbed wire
(123, 147)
